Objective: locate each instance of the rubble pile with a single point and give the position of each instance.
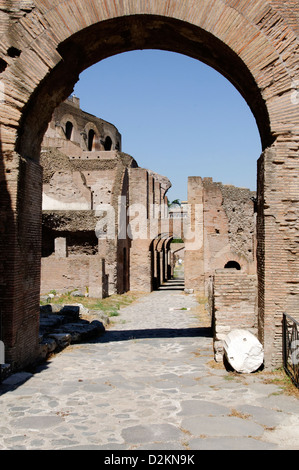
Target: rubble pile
(62, 325)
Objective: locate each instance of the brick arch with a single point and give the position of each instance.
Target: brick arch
(68, 118)
(69, 36)
(90, 127)
(150, 33)
(252, 44)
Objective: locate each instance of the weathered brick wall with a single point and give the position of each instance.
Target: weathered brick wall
(147, 202)
(65, 275)
(225, 230)
(20, 261)
(81, 184)
(141, 272)
(85, 274)
(278, 243)
(45, 45)
(78, 183)
(229, 227)
(69, 111)
(194, 243)
(234, 305)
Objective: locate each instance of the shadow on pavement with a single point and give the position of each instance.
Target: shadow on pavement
(150, 333)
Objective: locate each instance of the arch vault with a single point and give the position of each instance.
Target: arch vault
(252, 43)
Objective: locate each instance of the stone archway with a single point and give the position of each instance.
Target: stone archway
(254, 44)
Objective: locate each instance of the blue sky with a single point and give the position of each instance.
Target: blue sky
(176, 116)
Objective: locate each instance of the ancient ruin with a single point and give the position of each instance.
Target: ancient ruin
(45, 45)
(80, 189)
(90, 194)
(222, 264)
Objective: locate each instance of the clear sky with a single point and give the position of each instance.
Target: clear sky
(177, 117)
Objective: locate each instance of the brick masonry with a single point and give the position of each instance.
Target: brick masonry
(44, 47)
(225, 228)
(85, 274)
(80, 177)
(21, 279)
(233, 303)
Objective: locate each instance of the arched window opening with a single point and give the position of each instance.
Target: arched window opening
(69, 130)
(232, 265)
(108, 143)
(91, 139)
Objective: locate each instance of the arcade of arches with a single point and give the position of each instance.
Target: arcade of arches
(45, 45)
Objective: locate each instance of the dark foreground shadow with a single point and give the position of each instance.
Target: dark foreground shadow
(154, 333)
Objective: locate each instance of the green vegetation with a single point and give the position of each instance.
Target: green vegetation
(176, 202)
(177, 240)
(280, 378)
(110, 305)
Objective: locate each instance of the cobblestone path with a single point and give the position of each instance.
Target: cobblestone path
(149, 383)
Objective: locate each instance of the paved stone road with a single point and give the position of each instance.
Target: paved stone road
(148, 383)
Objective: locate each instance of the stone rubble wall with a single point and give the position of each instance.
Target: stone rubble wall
(62, 325)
